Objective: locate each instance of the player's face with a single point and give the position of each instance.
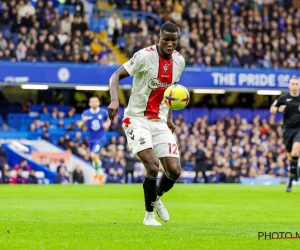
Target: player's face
(94, 103)
(294, 86)
(168, 43)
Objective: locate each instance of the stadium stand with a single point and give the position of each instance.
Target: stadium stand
(237, 142)
(212, 33)
(47, 34)
(221, 33)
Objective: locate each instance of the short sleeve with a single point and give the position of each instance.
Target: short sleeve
(181, 69)
(83, 114)
(133, 65)
(105, 114)
(279, 101)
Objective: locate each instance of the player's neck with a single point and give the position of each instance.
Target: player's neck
(94, 110)
(161, 54)
(294, 95)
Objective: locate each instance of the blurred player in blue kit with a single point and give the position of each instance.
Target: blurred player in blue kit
(96, 119)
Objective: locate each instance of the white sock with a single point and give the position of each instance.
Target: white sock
(150, 213)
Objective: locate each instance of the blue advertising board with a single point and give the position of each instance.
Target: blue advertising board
(82, 74)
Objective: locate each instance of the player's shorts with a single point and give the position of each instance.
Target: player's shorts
(289, 137)
(96, 146)
(142, 134)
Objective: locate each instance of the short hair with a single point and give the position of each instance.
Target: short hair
(294, 77)
(94, 97)
(169, 27)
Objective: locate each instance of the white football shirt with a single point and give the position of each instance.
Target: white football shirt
(152, 74)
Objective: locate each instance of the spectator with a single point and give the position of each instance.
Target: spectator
(22, 165)
(19, 179)
(32, 178)
(200, 162)
(62, 165)
(78, 177)
(3, 161)
(46, 137)
(79, 8)
(61, 177)
(114, 28)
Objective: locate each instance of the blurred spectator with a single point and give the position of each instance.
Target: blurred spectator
(19, 179)
(32, 178)
(61, 177)
(79, 8)
(62, 165)
(46, 137)
(130, 162)
(78, 177)
(114, 27)
(3, 161)
(200, 162)
(22, 165)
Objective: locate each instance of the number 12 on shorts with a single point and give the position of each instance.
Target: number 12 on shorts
(173, 148)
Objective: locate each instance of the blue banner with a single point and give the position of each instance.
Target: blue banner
(83, 74)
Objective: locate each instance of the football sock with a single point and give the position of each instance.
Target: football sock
(98, 167)
(294, 165)
(165, 184)
(150, 192)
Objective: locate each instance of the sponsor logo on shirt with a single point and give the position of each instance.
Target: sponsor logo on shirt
(155, 83)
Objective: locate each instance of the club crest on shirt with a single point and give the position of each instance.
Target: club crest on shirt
(155, 83)
(100, 117)
(166, 67)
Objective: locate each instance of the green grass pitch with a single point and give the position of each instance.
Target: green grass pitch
(110, 217)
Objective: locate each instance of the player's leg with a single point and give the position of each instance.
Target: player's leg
(288, 136)
(139, 139)
(295, 156)
(96, 162)
(165, 147)
(151, 163)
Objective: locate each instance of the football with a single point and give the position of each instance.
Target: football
(176, 97)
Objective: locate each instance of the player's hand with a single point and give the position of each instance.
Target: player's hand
(85, 118)
(113, 109)
(171, 125)
(281, 108)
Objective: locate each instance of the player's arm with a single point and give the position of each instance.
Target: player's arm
(114, 80)
(106, 124)
(170, 122)
(84, 119)
(127, 69)
(278, 105)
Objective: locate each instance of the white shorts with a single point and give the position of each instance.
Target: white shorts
(142, 134)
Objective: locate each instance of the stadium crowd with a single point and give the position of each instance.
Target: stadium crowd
(42, 34)
(229, 33)
(224, 151)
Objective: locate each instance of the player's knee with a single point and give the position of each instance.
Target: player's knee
(296, 149)
(152, 167)
(175, 173)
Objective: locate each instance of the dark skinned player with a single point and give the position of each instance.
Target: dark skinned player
(147, 120)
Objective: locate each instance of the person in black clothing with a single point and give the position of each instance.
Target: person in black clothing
(200, 162)
(61, 165)
(32, 178)
(78, 175)
(130, 161)
(3, 161)
(289, 104)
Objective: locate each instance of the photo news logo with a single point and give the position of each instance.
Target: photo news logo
(277, 235)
